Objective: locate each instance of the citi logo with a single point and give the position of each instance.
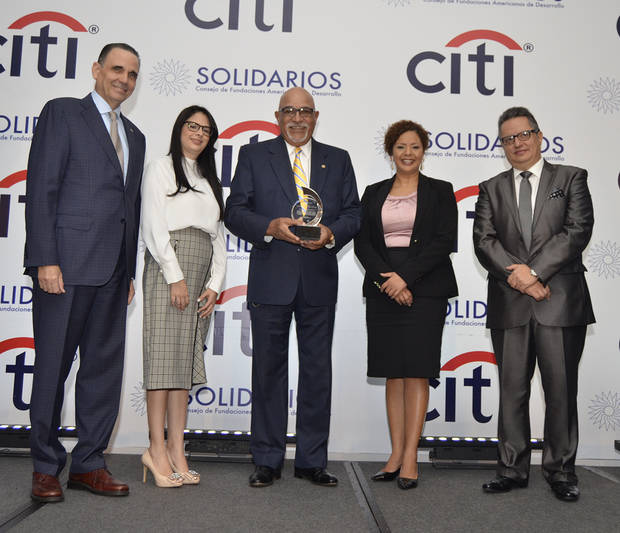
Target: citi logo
(215, 21)
(462, 388)
(20, 369)
(47, 45)
(5, 199)
(462, 194)
(240, 132)
(422, 71)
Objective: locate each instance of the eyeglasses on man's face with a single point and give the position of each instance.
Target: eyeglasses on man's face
(304, 112)
(523, 136)
(194, 126)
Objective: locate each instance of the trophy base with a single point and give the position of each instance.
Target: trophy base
(307, 233)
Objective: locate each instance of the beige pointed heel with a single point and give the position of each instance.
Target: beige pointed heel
(173, 480)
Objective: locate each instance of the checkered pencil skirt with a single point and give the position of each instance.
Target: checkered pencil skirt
(173, 340)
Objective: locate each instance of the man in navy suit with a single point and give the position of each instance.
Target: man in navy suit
(532, 224)
(289, 276)
(82, 219)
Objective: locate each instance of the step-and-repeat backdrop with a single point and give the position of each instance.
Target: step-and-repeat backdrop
(452, 65)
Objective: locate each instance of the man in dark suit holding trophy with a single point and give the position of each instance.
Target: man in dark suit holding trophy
(531, 226)
(293, 270)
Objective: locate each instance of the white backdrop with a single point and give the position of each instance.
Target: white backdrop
(453, 66)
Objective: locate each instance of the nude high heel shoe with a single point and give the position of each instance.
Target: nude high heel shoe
(191, 477)
(173, 480)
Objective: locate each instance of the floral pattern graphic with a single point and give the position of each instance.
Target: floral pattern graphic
(169, 77)
(604, 95)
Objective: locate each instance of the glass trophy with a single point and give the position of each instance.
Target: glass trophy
(310, 211)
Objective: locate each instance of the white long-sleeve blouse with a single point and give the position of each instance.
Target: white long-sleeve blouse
(162, 213)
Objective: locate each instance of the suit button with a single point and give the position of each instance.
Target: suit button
(122, 220)
(415, 241)
(299, 249)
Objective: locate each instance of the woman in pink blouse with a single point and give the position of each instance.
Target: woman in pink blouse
(409, 229)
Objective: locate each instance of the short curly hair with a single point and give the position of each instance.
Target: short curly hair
(398, 128)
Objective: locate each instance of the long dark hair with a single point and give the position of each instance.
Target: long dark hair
(205, 161)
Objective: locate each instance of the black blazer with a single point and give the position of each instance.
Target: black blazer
(428, 271)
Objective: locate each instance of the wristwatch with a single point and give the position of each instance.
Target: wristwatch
(533, 272)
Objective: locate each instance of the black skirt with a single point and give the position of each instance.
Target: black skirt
(404, 342)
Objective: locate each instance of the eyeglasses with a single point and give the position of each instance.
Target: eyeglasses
(194, 126)
(523, 136)
(304, 112)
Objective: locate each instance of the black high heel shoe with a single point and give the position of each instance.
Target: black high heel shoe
(406, 483)
(382, 475)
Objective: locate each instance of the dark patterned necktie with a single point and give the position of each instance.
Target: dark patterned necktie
(525, 207)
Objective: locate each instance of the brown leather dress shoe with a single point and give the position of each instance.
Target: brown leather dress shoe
(98, 481)
(46, 488)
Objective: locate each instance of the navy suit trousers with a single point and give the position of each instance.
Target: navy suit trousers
(270, 394)
(93, 319)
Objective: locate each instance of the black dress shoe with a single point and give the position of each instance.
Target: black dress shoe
(382, 475)
(504, 484)
(407, 483)
(318, 476)
(565, 491)
(263, 476)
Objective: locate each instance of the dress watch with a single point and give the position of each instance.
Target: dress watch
(533, 272)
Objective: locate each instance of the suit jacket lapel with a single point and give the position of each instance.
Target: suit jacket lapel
(380, 197)
(95, 123)
(318, 167)
(508, 190)
(546, 181)
(422, 205)
(281, 165)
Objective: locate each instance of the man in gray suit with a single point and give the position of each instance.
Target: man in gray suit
(531, 226)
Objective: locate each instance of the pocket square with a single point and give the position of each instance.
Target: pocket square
(557, 193)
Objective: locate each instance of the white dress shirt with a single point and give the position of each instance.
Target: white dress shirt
(162, 213)
(534, 179)
(305, 157)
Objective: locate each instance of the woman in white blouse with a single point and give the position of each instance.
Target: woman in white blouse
(185, 263)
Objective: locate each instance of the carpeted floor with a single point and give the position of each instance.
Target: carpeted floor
(452, 500)
(445, 501)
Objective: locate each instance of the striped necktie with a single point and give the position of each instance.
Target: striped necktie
(116, 140)
(300, 178)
